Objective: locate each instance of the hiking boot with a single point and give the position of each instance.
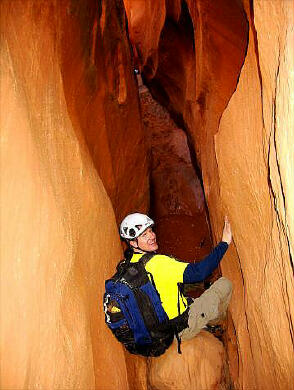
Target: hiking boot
(216, 330)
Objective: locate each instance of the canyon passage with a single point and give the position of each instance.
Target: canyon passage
(181, 109)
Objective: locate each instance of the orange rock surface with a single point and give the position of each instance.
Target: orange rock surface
(146, 18)
(103, 99)
(204, 354)
(258, 194)
(68, 115)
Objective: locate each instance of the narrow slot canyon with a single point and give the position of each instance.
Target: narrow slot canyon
(180, 109)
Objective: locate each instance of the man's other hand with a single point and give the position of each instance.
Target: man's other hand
(227, 233)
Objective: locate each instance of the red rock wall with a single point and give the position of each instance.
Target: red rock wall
(70, 104)
(103, 100)
(146, 18)
(243, 143)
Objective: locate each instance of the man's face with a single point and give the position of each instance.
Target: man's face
(146, 241)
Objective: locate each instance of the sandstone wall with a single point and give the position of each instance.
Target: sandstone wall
(146, 18)
(255, 164)
(68, 105)
(102, 97)
(201, 366)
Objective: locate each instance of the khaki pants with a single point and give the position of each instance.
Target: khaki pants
(210, 308)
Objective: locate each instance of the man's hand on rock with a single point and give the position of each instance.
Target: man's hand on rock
(227, 233)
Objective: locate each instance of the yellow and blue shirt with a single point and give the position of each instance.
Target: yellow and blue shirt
(167, 272)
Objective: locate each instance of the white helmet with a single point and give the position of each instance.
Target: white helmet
(134, 224)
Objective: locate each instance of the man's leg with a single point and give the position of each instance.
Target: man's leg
(210, 308)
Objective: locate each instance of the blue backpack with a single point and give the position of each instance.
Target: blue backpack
(134, 313)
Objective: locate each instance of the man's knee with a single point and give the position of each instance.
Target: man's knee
(223, 285)
(210, 306)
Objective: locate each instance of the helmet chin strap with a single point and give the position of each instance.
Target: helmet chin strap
(144, 251)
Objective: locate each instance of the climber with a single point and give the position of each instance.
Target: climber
(205, 312)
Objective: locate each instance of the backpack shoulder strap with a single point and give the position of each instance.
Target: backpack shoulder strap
(122, 266)
(146, 257)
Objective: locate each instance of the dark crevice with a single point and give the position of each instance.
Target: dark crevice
(186, 22)
(185, 28)
(172, 32)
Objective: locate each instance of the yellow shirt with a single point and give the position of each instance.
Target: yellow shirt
(166, 272)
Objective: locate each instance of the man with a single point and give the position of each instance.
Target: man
(210, 308)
